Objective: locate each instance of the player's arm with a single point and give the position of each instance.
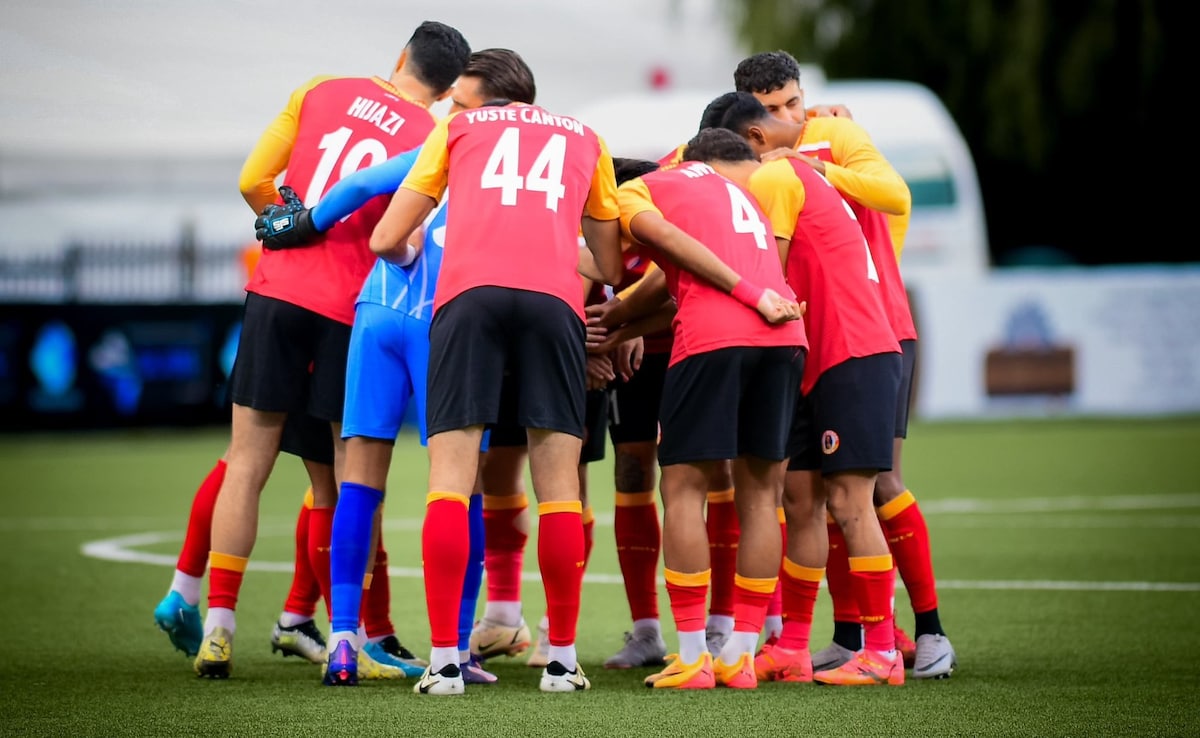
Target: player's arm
(863, 173)
(600, 223)
(270, 155)
(418, 194)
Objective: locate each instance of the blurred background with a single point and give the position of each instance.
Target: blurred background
(1045, 277)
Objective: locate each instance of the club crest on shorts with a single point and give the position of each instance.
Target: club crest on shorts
(830, 442)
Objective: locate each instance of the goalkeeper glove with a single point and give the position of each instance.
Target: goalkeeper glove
(286, 226)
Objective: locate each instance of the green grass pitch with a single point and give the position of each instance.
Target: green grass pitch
(1068, 554)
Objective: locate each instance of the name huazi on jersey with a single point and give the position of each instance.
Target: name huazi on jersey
(373, 111)
(524, 114)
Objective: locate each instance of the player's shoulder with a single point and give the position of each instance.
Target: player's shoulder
(832, 128)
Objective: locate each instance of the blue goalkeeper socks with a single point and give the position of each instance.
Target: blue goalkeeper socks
(474, 576)
(349, 551)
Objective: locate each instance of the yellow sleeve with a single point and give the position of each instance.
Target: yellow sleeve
(898, 227)
(861, 172)
(633, 198)
(602, 196)
(780, 194)
(428, 175)
(625, 293)
(270, 155)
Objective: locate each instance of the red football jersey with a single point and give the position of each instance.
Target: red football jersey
(829, 265)
(520, 178)
(874, 226)
(725, 218)
(343, 124)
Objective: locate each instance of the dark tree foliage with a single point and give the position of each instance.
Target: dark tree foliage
(1077, 111)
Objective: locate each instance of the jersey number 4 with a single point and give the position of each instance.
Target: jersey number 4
(745, 217)
(545, 174)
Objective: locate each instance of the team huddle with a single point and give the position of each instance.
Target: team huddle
(731, 317)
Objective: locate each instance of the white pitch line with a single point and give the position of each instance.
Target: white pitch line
(122, 549)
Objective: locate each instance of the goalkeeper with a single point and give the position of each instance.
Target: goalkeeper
(389, 339)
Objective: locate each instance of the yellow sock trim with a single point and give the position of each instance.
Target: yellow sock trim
(308, 498)
(762, 586)
(801, 572)
(889, 510)
(229, 562)
(634, 499)
(504, 502)
(871, 563)
(563, 506)
(829, 519)
(433, 497)
(780, 515)
(588, 515)
(724, 495)
(684, 579)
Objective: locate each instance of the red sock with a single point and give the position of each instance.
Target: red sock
(639, 542)
(589, 534)
(377, 604)
(561, 561)
(225, 573)
(688, 594)
(908, 538)
(193, 557)
(305, 591)
(800, 585)
(775, 606)
(445, 549)
(874, 584)
(723, 532)
(837, 574)
(503, 546)
(320, 533)
(750, 599)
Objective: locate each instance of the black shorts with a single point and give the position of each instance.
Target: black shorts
(507, 433)
(484, 332)
(908, 350)
(846, 420)
(290, 359)
(308, 438)
(633, 405)
(728, 403)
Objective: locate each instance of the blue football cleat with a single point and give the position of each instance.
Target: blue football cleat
(181, 622)
(342, 670)
(379, 653)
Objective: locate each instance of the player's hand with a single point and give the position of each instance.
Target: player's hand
(786, 153)
(599, 372)
(602, 314)
(286, 226)
(628, 357)
(776, 309)
(597, 339)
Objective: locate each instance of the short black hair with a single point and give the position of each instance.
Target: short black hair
(438, 53)
(502, 73)
(718, 144)
(736, 111)
(627, 169)
(766, 71)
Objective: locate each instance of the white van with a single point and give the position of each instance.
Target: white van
(910, 125)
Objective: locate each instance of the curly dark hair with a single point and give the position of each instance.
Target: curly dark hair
(718, 144)
(766, 71)
(438, 53)
(736, 111)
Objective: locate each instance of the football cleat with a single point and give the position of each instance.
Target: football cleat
(767, 645)
(413, 668)
(448, 680)
(935, 657)
(490, 638)
(556, 678)
(540, 655)
(642, 648)
(369, 668)
(181, 622)
(303, 640)
(867, 668)
(738, 675)
(831, 657)
(678, 675)
(778, 664)
(215, 657)
(474, 673)
(342, 669)
(392, 645)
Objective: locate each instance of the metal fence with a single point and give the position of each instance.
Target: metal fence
(123, 272)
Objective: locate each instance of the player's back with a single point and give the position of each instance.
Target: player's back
(829, 265)
(520, 179)
(343, 124)
(726, 219)
(410, 289)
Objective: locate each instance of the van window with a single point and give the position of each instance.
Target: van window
(928, 175)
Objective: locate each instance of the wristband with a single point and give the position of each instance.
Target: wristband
(748, 294)
(410, 255)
